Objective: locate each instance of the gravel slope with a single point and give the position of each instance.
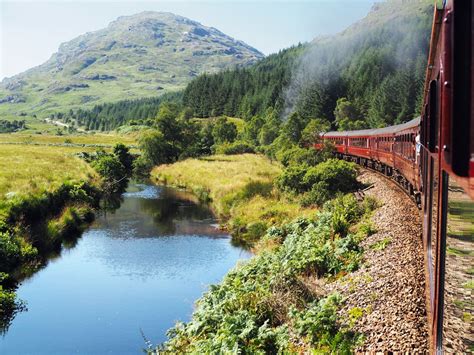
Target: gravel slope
(387, 293)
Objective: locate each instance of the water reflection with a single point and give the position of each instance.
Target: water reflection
(140, 267)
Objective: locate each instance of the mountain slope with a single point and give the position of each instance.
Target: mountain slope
(135, 56)
(377, 64)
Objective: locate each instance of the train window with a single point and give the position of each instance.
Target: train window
(433, 113)
(462, 131)
(457, 286)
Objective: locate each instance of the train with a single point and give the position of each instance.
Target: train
(432, 158)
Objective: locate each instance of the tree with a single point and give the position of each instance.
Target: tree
(155, 149)
(347, 116)
(112, 172)
(224, 131)
(122, 152)
(311, 133)
(167, 123)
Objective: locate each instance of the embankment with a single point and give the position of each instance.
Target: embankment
(274, 303)
(47, 197)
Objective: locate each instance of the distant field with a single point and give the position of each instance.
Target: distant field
(103, 139)
(240, 187)
(28, 169)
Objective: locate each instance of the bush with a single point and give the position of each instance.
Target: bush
(112, 172)
(10, 251)
(224, 131)
(253, 309)
(291, 179)
(238, 147)
(338, 175)
(308, 156)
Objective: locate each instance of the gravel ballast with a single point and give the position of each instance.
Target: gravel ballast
(385, 298)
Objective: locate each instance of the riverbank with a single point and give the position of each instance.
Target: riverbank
(240, 190)
(130, 276)
(273, 304)
(47, 197)
(348, 277)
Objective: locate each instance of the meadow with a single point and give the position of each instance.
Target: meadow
(239, 188)
(87, 139)
(28, 169)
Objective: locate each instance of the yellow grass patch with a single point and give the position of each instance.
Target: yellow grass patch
(26, 169)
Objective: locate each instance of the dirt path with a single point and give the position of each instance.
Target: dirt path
(386, 296)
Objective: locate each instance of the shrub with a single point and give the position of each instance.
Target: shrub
(291, 179)
(122, 152)
(224, 131)
(308, 156)
(112, 172)
(10, 251)
(344, 210)
(237, 147)
(339, 175)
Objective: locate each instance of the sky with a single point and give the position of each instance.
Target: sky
(31, 31)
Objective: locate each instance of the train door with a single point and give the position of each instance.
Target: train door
(431, 173)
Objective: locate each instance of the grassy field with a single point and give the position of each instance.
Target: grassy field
(26, 169)
(90, 139)
(239, 187)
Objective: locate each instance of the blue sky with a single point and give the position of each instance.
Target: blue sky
(30, 31)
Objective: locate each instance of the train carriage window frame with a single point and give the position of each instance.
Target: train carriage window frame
(433, 117)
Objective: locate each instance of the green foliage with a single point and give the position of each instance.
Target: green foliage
(237, 147)
(112, 171)
(259, 304)
(224, 131)
(337, 175)
(318, 324)
(155, 149)
(310, 134)
(345, 210)
(347, 117)
(10, 251)
(12, 126)
(305, 156)
(122, 152)
(243, 92)
(108, 116)
(381, 244)
(319, 183)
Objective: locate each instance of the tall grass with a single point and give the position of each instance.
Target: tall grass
(26, 170)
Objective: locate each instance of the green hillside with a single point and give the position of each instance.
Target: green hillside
(136, 56)
(377, 64)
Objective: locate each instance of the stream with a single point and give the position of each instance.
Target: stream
(130, 277)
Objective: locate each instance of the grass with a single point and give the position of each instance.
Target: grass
(240, 189)
(26, 169)
(98, 139)
(381, 244)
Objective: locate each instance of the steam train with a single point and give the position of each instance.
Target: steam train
(432, 158)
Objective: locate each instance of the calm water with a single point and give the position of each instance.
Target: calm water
(137, 270)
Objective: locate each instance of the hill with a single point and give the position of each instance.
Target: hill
(369, 75)
(376, 66)
(136, 56)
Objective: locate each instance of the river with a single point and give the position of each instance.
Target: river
(130, 277)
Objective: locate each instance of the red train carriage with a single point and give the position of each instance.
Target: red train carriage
(438, 171)
(390, 150)
(447, 170)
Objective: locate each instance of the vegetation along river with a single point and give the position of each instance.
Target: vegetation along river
(132, 274)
